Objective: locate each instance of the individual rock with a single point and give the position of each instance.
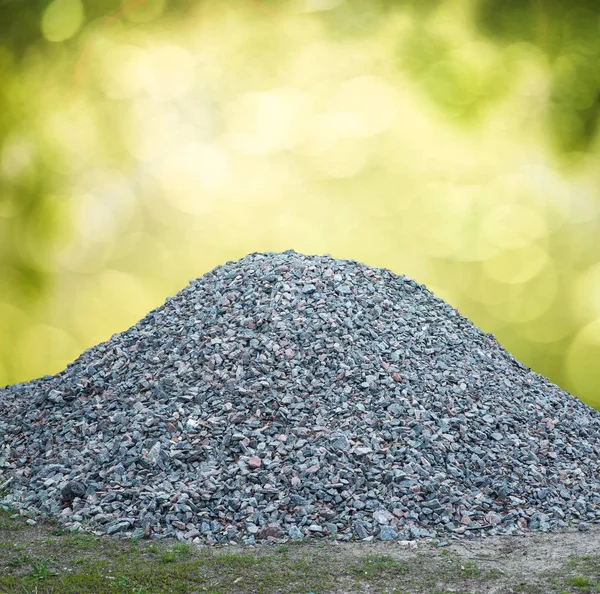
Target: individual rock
(254, 462)
(388, 533)
(360, 530)
(72, 490)
(271, 531)
(295, 533)
(117, 526)
(154, 453)
(340, 442)
(382, 517)
(331, 528)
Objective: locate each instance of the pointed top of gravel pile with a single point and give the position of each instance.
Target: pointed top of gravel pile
(286, 395)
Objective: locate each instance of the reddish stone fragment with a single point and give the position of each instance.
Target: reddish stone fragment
(493, 518)
(254, 462)
(271, 531)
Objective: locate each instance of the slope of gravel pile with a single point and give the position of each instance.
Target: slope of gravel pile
(283, 396)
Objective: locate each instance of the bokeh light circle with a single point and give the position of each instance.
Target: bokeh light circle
(62, 19)
(195, 176)
(371, 105)
(526, 301)
(516, 266)
(268, 122)
(513, 226)
(167, 71)
(143, 11)
(123, 71)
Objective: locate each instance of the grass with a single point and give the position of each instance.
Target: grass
(43, 559)
(177, 552)
(39, 571)
(589, 583)
(10, 522)
(378, 567)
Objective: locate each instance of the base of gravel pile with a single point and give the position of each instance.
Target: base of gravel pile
(286, 396)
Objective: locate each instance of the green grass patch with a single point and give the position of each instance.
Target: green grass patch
(40, 571)
(19, 561)
(378, 567)
(235, 561)
(79, 541)
(585, 584)
(10, 521)
(177, 552)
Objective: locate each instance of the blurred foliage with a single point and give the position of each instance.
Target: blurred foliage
(566, 31)
(143, 142)
(569, 35)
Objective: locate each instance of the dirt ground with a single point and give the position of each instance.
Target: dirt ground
(46, 558)
(527, 559)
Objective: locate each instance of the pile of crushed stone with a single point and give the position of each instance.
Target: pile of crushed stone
(286, 396)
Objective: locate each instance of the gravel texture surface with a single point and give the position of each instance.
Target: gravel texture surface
(286, 396)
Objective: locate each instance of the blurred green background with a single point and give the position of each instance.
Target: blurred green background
(144, 142)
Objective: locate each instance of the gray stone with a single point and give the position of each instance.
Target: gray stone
(382, 517)
(360, 530)
(154, 453)
(388, 533)
(295, 533)
(72, 490)
(340, 442)
(138, 533)
(251, 528)
(117, 526)
(331, 528)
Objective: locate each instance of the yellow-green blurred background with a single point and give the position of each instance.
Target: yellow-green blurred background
(144, 142)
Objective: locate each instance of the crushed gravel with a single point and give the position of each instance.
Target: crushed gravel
(284, 396)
